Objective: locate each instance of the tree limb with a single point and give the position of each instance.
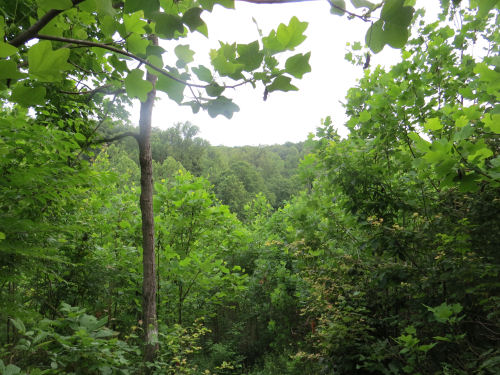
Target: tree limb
(103, 89)
(31, 32)
(361, 17)
(117, 137)
(131, 55)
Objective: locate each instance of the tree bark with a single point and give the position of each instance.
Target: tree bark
(149, 286)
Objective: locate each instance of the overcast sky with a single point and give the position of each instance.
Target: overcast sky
(284, 117)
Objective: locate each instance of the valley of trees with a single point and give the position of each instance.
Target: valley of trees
(135, 250)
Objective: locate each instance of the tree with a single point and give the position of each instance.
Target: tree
(51, 62)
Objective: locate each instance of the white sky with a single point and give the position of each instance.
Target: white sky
(285, 116)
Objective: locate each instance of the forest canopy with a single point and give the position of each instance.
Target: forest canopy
(127, 249)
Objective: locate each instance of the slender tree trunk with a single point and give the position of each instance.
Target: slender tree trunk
(148, 246)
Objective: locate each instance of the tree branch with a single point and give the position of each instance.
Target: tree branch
(361, 17)
(102, 89)
(117, 137)
(31, 32)
(131, 55)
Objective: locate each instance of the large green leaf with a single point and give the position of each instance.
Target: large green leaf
(224, 61)
(174, 89)
(281, 83)
(54, 4)
(338, 7)
(222, 106)
(134, 23)
(136, 86)
(362, 4)
(391, 9)
(6, 50)
(492, 121)
(45, 64)
(203, 74)
(433, 124)
(375, 38)
(286, 37)
(214, 89)
(298, 65)
(395, 35)
(137, 44)
(167, 25)
(193, 20)
(148, 6)
(184, 54)
(249, 55)
(9, 70)
(2, 27)
(485, 6)
(28, 96)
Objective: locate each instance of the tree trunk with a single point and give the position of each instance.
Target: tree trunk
(150, 323)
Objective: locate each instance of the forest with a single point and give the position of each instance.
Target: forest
(128, 249)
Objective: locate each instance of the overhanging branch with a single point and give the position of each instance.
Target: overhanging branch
(31, 32)
(360, 16)
(117, 137)
(128, 54)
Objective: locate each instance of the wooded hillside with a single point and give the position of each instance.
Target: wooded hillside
(132, 250)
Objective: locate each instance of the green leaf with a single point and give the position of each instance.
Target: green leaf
(480, 154)
(134, 23)
(375, 38)
(229, 4)
(249, 55)
(167, 25)
(28, 96)
(80, 137)
(292, 35)
(193, 20)
(148, 6)
(6, 50)
(391, 9)
(461, 121)
(137, 45)
(365, 116)
(485, 6)
(338, 7)
(224, 61)
(214, 89)
(395, 34)
(281, 83)
(45, 64)
(492, 122)
(203, 74)
(426, 348)
(286, 37)
(18, 323)
(174, 89)
(433, 124)
(298, 65)
(2, 236)
(362, 4)
(9, 70)
(221, 106)
(184, 54)
(54, 4)
(136, 87)
(11, 370)
(2, 27)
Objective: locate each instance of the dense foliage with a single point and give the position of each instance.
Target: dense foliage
(377, 253)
